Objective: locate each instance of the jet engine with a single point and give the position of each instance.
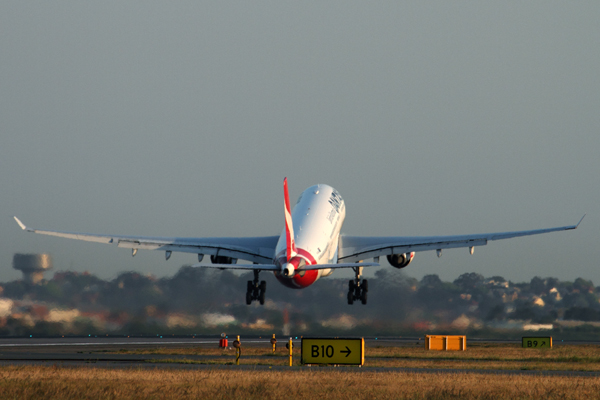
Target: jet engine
(222, 260)
(288, 270)
(400, 260)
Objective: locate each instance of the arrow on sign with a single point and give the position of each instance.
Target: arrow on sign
(347, 351)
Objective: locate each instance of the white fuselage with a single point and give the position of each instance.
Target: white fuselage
(317, 219)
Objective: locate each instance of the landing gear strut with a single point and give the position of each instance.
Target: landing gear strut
(357, 289)
(255, 290)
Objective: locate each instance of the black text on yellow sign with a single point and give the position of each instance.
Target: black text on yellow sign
(537, 342)
(340, 351)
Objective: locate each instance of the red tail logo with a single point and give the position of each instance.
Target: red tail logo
(289, 226)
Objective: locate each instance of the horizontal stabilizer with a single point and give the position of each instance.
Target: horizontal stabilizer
(247, 267)
(272, 267)
(340, 265)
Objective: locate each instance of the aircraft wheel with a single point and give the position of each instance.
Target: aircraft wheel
(261, 297)
(365, 285)
(248, 298)
(263, 286)
(363, 298)
(351, 285)
(350, 297)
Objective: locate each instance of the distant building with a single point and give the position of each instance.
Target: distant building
(32, 266)
(496, 282)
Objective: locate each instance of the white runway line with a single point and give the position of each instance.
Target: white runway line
(117, 343)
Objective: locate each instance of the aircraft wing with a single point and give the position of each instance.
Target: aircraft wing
(356, 248)
(254, 249)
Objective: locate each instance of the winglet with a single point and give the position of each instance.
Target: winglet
(289, 226)
(577, 226)
(22, 225)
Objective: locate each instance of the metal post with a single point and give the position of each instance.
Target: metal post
(274, 343)
(238, 350)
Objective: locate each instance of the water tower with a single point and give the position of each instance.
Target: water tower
(33, 266)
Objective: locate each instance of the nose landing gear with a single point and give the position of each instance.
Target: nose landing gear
(357, 289)
(256, 290)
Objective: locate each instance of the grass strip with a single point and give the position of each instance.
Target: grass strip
(33, 382)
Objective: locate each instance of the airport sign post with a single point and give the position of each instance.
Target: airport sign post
(337, 351)
(274, 343)
(238, 350)
(537, 342)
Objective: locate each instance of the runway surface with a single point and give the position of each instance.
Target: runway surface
(95, 343)
(96, 352)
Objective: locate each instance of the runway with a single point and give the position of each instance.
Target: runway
(96, 343)
(102, 352)
(129, 342)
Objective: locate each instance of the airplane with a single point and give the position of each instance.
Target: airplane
(309, 247)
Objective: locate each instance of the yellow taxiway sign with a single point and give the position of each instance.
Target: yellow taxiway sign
(537, 342)
(333, 351)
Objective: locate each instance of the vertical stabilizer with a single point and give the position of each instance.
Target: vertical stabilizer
(289, 226)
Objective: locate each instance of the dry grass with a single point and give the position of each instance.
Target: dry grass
(97, 383)
(506, 352)
(485, 365)
(404, 363)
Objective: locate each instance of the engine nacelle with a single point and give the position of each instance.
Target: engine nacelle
(400, 260)
(287, 270)
(222, 260)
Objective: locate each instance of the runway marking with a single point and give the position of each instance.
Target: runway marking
(117, 343)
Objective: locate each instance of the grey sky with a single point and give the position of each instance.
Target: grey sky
(182, 118)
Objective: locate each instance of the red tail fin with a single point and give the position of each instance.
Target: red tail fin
(289, 226)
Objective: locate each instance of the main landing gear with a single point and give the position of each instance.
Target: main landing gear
(357, 289)
(256, 291)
